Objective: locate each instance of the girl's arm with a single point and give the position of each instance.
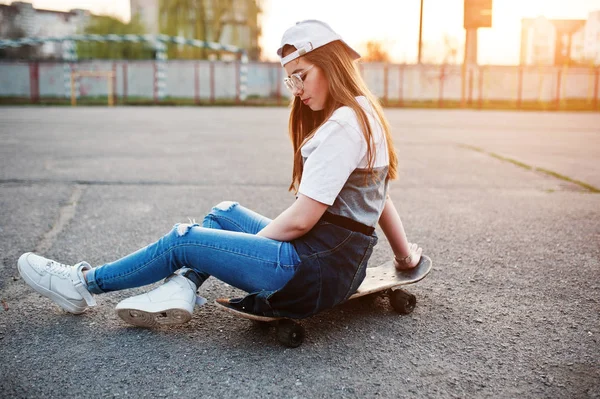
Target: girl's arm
(295, 221)
(406, 255)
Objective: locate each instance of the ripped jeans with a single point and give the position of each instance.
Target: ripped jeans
(225, 246)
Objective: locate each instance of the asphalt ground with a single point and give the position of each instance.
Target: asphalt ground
(504, 203)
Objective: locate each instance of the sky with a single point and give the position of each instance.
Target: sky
(394, 23)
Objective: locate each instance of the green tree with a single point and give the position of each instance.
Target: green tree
(105, 25)
(185, 18)
(205, 20)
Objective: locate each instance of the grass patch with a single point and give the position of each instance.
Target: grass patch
(513, 161)
(525, 166)
(283, 101)
(567, 178)
(472, 147)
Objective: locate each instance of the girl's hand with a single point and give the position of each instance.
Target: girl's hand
(411, 260)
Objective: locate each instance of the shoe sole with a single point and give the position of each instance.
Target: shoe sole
(57, 299)
(141, 318)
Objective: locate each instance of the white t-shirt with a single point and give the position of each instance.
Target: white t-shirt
(336, 150)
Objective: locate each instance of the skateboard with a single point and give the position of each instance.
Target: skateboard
(383, 279)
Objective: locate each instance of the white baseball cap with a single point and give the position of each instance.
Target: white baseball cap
(308, 35)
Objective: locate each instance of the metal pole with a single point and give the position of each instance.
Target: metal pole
(596, 88)
(385, 83)
(125, 82)
(114, 84)
(401, 84)
(243, 76)
(73, 99)
(196, 84)
(520, 87)
(212, 82)
(441, 94)
(111, 88)
(481, 71)
(559, 74)
(420, 33)
(237, 81)
(34, 82)
(470, 60)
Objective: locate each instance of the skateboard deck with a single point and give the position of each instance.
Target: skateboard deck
(385, 276)
(379, 278)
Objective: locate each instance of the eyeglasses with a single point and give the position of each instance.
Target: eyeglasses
(296, 80)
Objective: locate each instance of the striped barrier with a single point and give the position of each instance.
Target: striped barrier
(69, 57)
(159, 42)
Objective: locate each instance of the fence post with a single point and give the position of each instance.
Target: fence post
(243, 76)
(160, 63)
(470, 100)
(155, 86)
(481, 71)
(73, 95)
(196, 83)
(401, 84)
(237, 81)
(114, 82)
(125, 83)
(596, 84)
(463, 74)
(34, 82)
(558, 81)
(385, 83)
(520, 87)
(442, 77)
(563, 84)
(212, 82)
(69, 56)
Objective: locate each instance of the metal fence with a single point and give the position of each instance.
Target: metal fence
(395, 84)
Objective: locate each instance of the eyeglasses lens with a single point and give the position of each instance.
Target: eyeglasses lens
(294, 82)
(289, 84)
(297, 81)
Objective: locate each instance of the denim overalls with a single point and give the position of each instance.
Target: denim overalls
(333, 265)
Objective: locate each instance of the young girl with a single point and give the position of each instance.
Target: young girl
(311, 257)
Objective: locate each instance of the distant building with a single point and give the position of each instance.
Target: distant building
(20, 19)
(560, 42)
(233, 22)
(591, 38)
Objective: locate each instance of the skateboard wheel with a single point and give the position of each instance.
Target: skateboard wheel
(402, 301)
(290, 333)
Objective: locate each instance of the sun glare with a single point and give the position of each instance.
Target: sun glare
(396, 25)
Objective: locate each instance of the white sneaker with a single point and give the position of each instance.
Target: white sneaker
(63, 284)
(169, 304)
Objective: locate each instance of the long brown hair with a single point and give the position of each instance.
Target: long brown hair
(345, 84)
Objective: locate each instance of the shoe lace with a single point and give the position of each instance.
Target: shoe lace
(58, 269)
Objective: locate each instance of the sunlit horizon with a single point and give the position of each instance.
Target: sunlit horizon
(396, 27)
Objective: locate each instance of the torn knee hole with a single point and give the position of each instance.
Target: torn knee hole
(225, 206)
(183, 228)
